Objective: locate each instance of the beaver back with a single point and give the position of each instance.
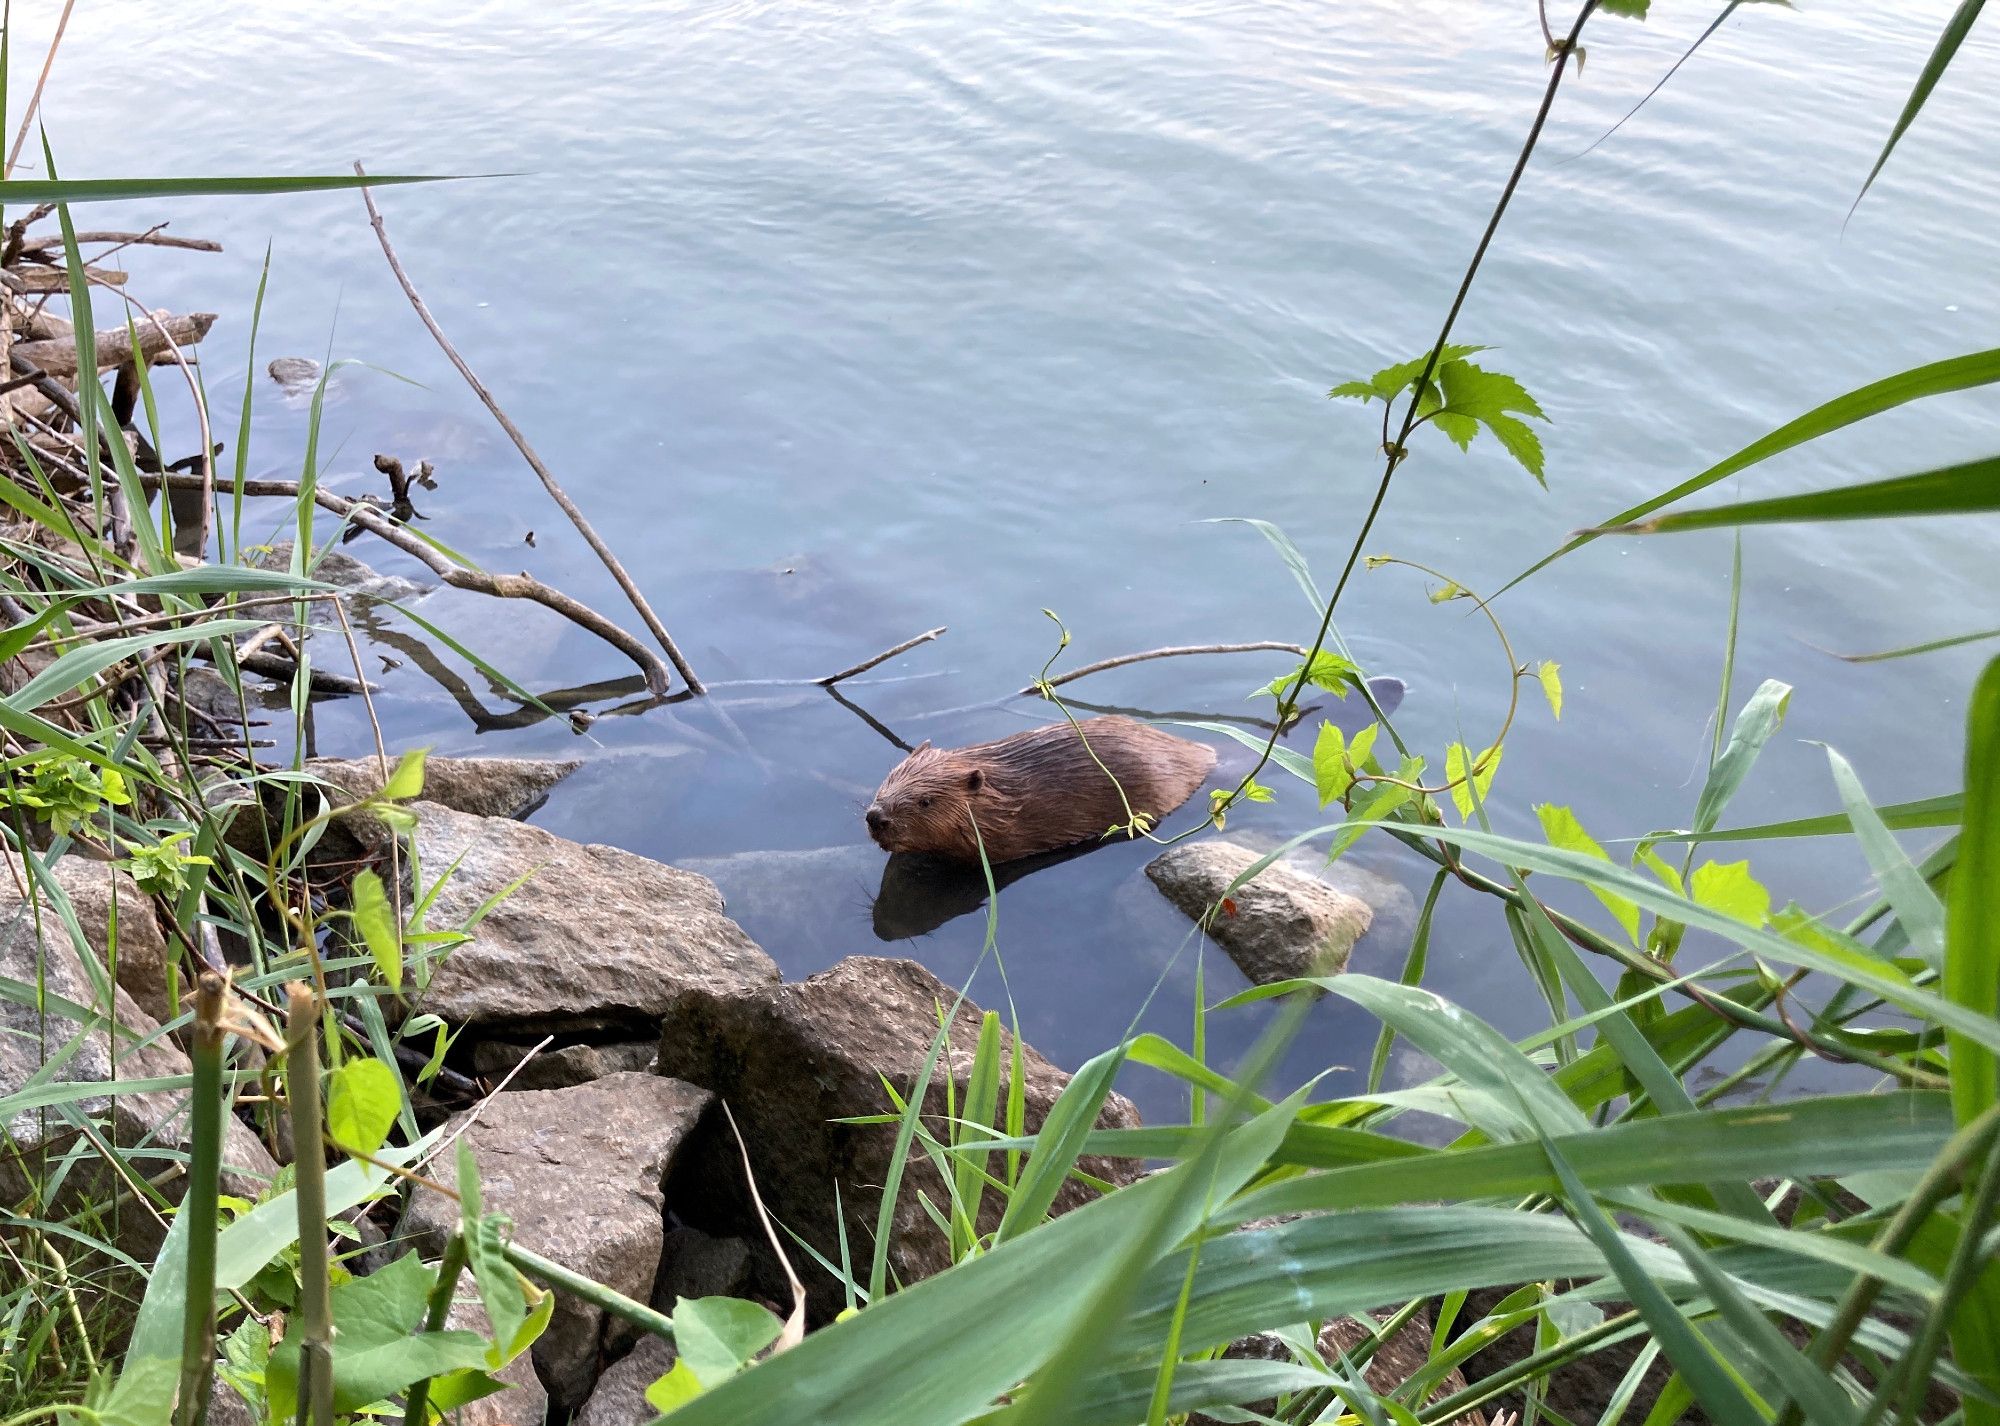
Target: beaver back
(1036, 791)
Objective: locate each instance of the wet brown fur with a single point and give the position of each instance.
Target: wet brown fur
(1036, 791)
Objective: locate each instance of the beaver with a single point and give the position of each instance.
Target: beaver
(1036, 791)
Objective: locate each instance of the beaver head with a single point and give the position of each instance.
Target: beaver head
(926, 802)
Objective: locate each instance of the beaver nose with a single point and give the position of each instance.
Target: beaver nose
(877, 818)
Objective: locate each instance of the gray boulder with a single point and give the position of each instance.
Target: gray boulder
(595, 938)
(581, 1171)
(99, 893)
(152, 1124)
(1281, 925)
(343, 571)
(620, 1395)
(790, 1060)
(692, 1264)
(483, 787)
(561, 1066)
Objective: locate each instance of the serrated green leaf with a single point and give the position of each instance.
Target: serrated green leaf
(1484, 766)
(1520, 441)
(1331, 776)
(362, 1099)
(1550, 674)
(1729, 888)
(1561, 827)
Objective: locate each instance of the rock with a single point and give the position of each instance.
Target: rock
(692, 1264)
(93, 889)
(342, 570)
(484, 787)
(1387, 941)
(1284, 924)
(581, 1172)
(595, 938)
(155, 1119)
(620, 1396)
(526, 1400)
(561, 1066)
(226, 1408)
(790, 1060)
(297, 375)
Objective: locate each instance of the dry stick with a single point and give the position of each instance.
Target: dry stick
(152, 237)
(556, 493)
(924, 638)
(35, 99)
(1102, 664)
(500, 586)
(795, 1325)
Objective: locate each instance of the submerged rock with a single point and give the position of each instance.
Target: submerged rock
(483, 787)
(791, 1060)
(594, 938)
(342, 570)
(1281, 925)
(783, 897)
(619, 1398)
(581, 1171)
(153, 1124)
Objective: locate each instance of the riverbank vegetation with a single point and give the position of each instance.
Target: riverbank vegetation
(1633, 1192)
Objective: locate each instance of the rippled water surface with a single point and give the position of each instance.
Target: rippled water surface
(845, 321)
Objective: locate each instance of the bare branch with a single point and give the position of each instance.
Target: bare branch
(1102, 664)
(549, 483)
(924, 638)
(502, 586)
(158, 341)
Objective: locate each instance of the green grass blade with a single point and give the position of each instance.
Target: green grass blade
(1915, 904)
(1972, 929)
(1941, 55)
(1958, 373)
(1761, 717)
(1971, 488)
(1941, 811)
(1068, 1123)
(1412, 974)
(29, 191)
(1929, 646)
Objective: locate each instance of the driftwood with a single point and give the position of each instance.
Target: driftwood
(157, 340)
(924, 638)
(549, 482)
(55, 279)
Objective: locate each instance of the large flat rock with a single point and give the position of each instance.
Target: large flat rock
(594, 938)
(484, 787)
(581, 1171)
(1280, 925)
(790, 1060)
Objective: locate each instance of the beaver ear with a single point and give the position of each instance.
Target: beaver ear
(975, 780)
(923, 747)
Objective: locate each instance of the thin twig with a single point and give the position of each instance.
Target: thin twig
(924, 638)
(1262, 647)
(795, 1325)
(35, 99)
(556, 492)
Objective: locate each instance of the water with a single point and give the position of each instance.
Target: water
(848, 321)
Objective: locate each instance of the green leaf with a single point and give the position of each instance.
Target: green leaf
(379, 932)
(1941, 55)
(1971, 488)
(1550, 674)
(674, 1390)
(1959, 373)
(1392, 381)
(376, 1349)
(1475, 397)
(363, 1097)
(407, 780)
(1729, 888)
(1484, 766)
(79, 666)
(1069, 1121)
(1334, 762)
(485, 1235)
(1626, 9)
(1972, 926)
(1561, 827)
(717, 1337)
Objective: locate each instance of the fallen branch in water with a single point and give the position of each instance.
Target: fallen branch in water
(924, 638)
(502, 586)
(549, 483)
(1102, 664)
(158, 341)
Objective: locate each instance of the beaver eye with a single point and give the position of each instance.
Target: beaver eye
(923, 802)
